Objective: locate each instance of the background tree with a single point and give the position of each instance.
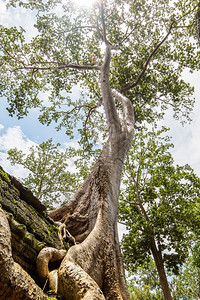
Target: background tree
(186, 284)
(146, 49)
(144, 283)
(160, 207)
(48, 179)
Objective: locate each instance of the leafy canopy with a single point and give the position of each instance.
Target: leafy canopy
(152, 41)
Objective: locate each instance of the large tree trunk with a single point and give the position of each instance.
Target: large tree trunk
(91, 215)
(93, 267)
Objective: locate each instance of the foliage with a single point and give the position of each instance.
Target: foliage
(160, 201)
(186, 285)
(48, 178)
(144, 283)
(151, 44)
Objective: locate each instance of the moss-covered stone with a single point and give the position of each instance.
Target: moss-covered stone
(4, 175)
(31, 229)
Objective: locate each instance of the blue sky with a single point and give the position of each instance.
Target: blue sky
(31, 126)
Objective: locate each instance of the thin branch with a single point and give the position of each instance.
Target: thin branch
(130, 202)
(183, 26)
(130, 169)
(60, 67)
(75, 28)
(165, 101)
(103, 24)
(126, 36)
(120, 222)
(76, 108)
(36, 66)
(137, 177)
(86, 120)
(132, 85)
(13, 57)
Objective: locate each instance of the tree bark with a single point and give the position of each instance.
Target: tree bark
(91, 215)
(161, 271)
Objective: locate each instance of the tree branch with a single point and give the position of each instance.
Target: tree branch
(132, 85)
(126, 35)
(103, 24)
(128, 113)
(130, 202)
(59, 67)
(112, 117)
(91, 109)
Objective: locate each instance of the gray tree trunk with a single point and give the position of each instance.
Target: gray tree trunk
(91, 215)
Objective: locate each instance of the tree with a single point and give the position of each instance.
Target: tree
(48, 177)
(145, 52)
(160, 207)
(186, 284)
(144, 283)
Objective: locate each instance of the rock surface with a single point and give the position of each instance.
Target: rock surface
(30, 225)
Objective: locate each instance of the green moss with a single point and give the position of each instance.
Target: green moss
(4, 175)
(15, 203)
(33, 242)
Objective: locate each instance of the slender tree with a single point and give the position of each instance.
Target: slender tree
(160, 207)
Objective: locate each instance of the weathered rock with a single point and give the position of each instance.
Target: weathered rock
(31, 228)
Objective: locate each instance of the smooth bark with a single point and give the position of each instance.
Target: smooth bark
(91, 215)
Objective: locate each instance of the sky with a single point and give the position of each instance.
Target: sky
(28, 131)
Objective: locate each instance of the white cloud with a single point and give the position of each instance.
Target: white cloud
(17, 171)
(186, 138)
(1, 127)
(18, 16)
(187, 145)
(73, 144)
(13, 137)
